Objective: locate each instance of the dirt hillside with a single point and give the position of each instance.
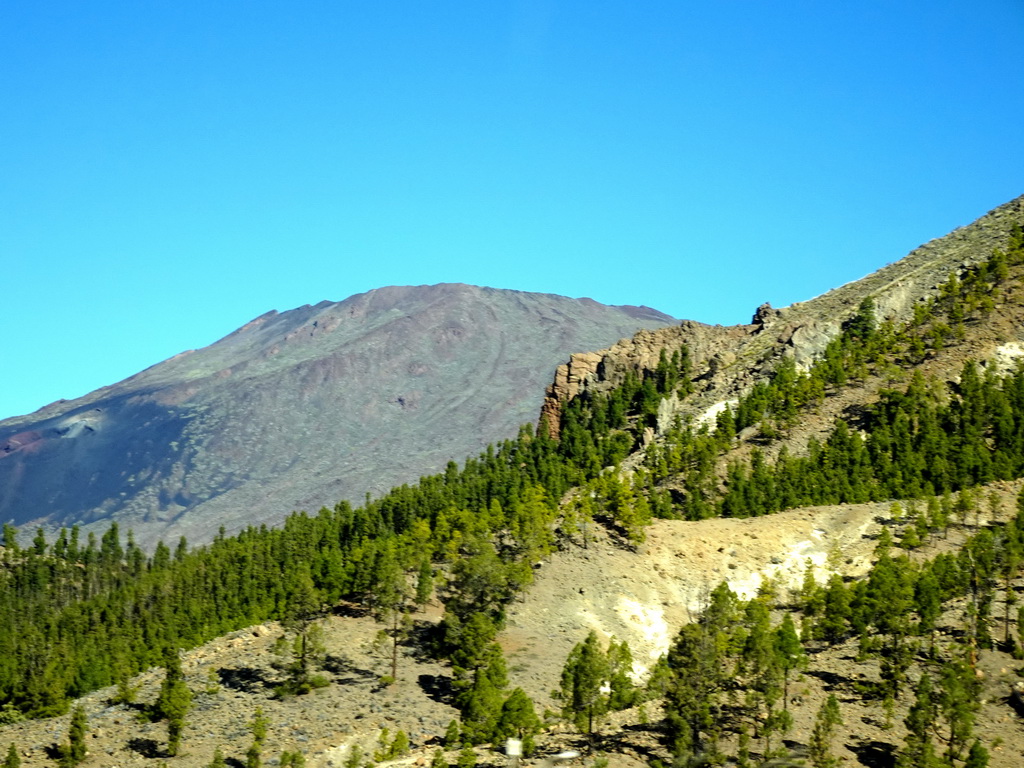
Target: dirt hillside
(642, 597)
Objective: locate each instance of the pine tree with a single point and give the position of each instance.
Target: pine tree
(812, 596)
(919, 752)
(762, 661)
(218, 759)
(390, 593)
(253, 756)
(622, 693)
(910, 539)
(174, 701)
(306, 650)
(836, 610)
(13, 759)
(11, 548)
(698, 674)
(481, 703)
(424, 582)
(927, 602)
(583, 679)
(957, 700)
(391, 749)
(452, 735)
(400, 746)
(576, 515)
(1010, 566)
(790, 654)
(177, 706)
(467, 758)
(518, 720)
(977, 757)
(355, 757)
(479, 674)
(820, 747)
(73, 752)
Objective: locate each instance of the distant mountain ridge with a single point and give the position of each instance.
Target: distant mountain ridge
(299, 409)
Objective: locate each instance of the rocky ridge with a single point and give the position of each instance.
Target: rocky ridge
(730, 359)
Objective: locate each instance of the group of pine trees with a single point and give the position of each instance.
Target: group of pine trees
(76, 616)
(595, 681)
(730, 670)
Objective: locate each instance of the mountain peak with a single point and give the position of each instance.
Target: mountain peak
(300, 408)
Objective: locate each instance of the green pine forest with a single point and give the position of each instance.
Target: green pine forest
(81, 613)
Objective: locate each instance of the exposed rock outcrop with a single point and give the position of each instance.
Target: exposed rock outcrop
(765, 315)
(727, 361)
(601, 371)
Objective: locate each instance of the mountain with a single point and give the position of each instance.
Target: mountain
(299, 409)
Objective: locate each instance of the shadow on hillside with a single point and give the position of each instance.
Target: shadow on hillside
(54, 752)
(345, 672)
(858, 416)
(145, 747)
(245, 679)
(613, 743)
(131, 706)
(1015, 703)
(631, 738)
(437, 687)
(797, 749)
(876, 754)
(654, 728)
(618, 535)
(351, 610)
(423, 637)
(831, 680)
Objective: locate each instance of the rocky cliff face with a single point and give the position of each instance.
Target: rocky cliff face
(300, 409)
(728, 360)
(709, 347)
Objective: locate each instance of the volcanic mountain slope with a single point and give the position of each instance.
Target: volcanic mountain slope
(299, 409)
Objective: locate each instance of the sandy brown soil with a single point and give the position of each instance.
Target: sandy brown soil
(644, 597)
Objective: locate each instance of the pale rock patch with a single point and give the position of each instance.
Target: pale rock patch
(710, 415)
(644, 597)
(1007, 357)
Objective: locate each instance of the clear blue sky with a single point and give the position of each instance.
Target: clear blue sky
(171, 169)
